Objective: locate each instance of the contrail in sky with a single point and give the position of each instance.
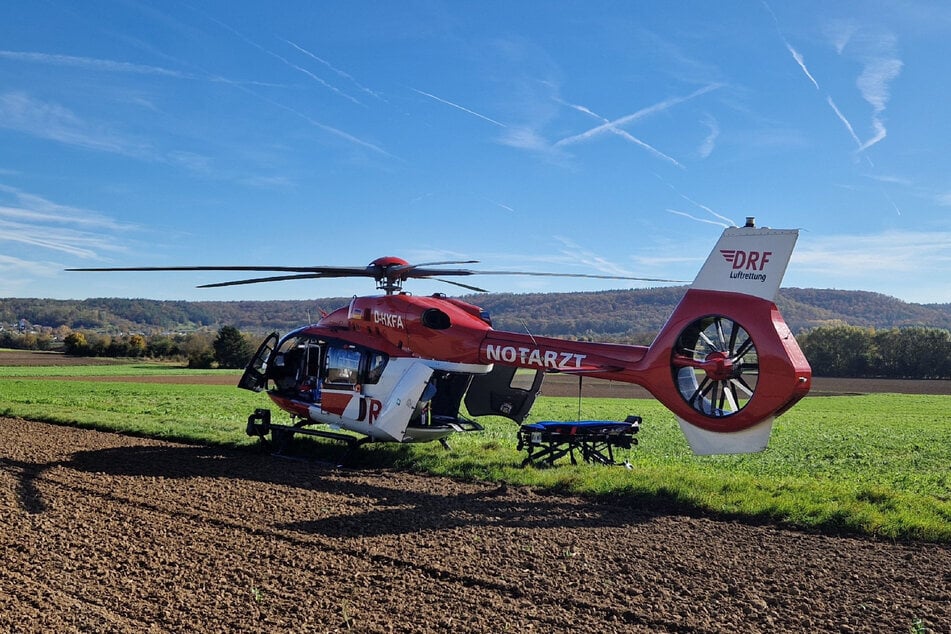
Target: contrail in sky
(455, 105)
(873, 82)
(712, 222)
(244, 38)
(729, 223)
(343, 74)
(795, 54)
(660, 106)
(317, 124)
(624, 133)
(848, 126)
(801, 62)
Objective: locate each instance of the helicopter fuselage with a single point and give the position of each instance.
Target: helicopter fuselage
(398, 367)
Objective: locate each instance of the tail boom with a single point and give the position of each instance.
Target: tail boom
(725, 363)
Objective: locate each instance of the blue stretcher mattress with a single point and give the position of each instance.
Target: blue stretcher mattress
(579, 427)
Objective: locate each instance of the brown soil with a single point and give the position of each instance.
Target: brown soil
(102, 532)
(32, 357)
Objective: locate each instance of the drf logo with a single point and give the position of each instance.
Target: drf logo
(749, 260)
(370, 409)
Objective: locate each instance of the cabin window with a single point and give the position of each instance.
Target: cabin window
(343, 365)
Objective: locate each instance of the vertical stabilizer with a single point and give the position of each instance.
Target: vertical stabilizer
(748, 260)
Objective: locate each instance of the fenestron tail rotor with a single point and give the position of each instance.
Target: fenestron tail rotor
(388, 272)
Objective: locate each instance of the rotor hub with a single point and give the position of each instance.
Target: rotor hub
(719, 366)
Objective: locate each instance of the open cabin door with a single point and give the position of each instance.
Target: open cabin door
(503, 393)
(255, 375)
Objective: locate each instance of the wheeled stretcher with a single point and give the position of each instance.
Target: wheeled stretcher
(594, 440)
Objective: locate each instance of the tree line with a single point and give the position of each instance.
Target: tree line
(228, 348)
(916, 352)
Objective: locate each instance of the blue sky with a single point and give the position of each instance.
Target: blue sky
(579, 137)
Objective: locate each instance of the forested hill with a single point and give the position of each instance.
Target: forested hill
(640, 314)
(605, 315)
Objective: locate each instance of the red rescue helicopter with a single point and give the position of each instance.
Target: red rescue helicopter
(397, 367)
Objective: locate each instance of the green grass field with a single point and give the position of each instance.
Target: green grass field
(874, 464)
(117, 369)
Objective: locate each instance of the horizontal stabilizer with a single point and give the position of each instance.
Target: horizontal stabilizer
(706, 443)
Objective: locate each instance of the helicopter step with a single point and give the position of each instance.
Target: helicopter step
(595, 440)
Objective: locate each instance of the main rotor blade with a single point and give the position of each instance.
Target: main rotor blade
(392, 273)
(275, 278)
(412, 267)
(461, 285)
(578, 275)
(329, 271)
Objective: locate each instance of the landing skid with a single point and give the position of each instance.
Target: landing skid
(260, 425)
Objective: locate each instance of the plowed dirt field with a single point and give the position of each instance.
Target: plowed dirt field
(106, 533)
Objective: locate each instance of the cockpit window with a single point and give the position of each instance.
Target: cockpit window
(375, 365)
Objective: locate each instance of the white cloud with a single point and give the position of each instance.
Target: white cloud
(46, 120)
(90, 63)
(874, 81)
(840, 33)
(871, 256)
(525, 138)
(876, 50)
(10, 265)
(38, 223)
(579, 255)
(911, 265)
(709, 142)
(874, 84)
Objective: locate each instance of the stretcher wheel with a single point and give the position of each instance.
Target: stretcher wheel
(715, 366)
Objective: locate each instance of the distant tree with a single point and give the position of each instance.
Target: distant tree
(232, 350)
(201, 359)
(75, 344)
(161, 346)
(838, 350)
(99, 345)
(44, 342)
(915, 352)
(137, 346)
(197, 346)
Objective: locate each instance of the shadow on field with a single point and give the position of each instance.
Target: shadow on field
(27, 492)
(379, 501)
